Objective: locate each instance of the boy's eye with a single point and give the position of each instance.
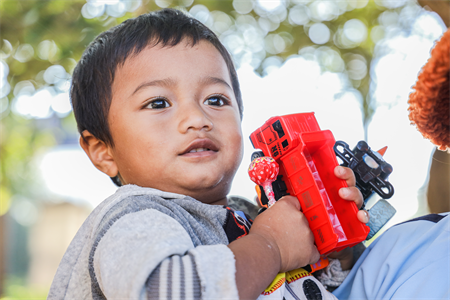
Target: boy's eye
(216, 101)
(158, 104)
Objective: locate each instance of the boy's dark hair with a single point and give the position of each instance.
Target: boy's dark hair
(94, 74)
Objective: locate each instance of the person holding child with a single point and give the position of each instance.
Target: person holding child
(411, 260)
(159, 109)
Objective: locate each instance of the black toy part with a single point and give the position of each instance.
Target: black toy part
(371, 170)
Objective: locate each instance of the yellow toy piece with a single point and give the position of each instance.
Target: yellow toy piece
(296, 274)
(278, 282)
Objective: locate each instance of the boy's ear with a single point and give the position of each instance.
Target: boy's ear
(99, 153)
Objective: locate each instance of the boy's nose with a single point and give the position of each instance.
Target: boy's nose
(193, 117)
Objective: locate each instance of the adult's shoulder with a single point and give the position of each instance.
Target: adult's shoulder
(405, 262)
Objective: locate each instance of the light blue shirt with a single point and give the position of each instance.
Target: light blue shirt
(409, 261)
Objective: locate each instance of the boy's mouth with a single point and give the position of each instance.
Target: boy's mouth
(199, 150)
(200, 145)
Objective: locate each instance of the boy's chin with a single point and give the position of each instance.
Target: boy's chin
(207, 192)
(206, 189)
(211, 198)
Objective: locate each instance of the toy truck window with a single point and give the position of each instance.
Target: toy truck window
(278, 128)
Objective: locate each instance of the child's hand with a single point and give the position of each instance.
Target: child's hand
(286, 229)
(279, 240)
(351, 193)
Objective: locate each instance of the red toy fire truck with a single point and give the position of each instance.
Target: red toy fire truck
(306, 158)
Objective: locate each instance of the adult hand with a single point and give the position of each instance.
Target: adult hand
(351, 193)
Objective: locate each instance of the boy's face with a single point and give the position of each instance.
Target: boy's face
(175, 121)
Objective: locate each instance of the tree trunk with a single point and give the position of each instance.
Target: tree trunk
(441, 7)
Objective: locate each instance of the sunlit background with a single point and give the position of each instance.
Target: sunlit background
(351, 62)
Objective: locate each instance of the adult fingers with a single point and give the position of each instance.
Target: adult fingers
(352, 194)
(363, 216)
(345, 174)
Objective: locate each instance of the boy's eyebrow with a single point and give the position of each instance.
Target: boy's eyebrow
(213, 80)
(158, 82)
(171, 82)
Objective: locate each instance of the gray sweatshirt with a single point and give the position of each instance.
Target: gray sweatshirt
(143, 243)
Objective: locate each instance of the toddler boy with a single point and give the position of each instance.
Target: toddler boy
(158, 107)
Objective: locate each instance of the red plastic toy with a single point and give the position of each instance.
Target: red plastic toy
(307, 160)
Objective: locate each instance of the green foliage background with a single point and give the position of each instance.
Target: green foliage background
(33, 21)
(61, 22)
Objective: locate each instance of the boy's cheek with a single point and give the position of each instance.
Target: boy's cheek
(239, 148)
(233, 134)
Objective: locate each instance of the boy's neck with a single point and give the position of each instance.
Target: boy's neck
(206, 200)
(222, 201)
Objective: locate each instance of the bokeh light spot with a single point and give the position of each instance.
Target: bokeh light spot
(6, 49)
(355, 30)
(24, 87)
(116, 10)
(268, 25)
(234, 43)
(319, 33)
(323, 10)
(357, 3)
(163, 3)
(274, 44)
(133, 5)
(271, 64)
(222, 21)
(4, 69)
(186, 3)
(299, 15)
(269, 5)
(54, 73)
(243, 6)
(31, 17)
(108, 2)
(91, 10)
(34, 106)
(113, 8)
(357, 69)
(391, 3)
(61, 104)
(47, 49)
(24, 53)
(388, 18)
(201, 13)
(5, 88)
(329, 58)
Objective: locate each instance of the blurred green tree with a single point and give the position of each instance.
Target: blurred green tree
(41, 41)
(37, 35)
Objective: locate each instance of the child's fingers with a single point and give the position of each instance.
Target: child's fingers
(363, 216)
(291, 200)
(352, 193)
(345, 174)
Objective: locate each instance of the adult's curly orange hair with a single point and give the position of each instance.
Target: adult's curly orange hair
(429, 104)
